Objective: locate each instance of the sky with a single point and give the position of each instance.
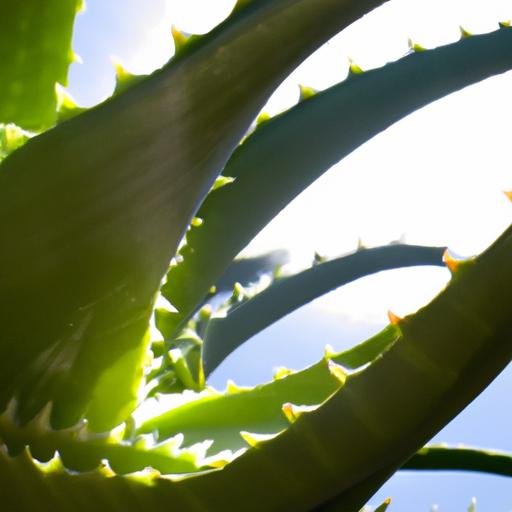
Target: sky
(437, 177)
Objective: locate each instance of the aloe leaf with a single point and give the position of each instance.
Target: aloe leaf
(79, 450)
(259, 410)
(35, 53)
(461, 459)
(97, 205)
(53, 489)
(226, 333)
(447, 353)
(11, 138)
(287, 153)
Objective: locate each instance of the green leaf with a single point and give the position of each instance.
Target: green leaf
(446, 353)
(227, 332)
(434, 458)
(35, 53)
(12, 137)
(383, 506)
(286, 154)
(98, 204)
(79, 450)
(259, 410)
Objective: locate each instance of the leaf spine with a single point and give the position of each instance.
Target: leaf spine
(464, 33)
(394, 319)
(415, 47)
(353, 68)
(180, 40)
(306, 92)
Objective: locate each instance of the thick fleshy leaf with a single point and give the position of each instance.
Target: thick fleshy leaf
(35, 53)
(289, 152)
(446, 353)
(227, 332)
(259, 410)
(97, 205)
(80, 450)
(445, 458)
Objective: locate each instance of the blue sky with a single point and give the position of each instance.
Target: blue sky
(443, 170)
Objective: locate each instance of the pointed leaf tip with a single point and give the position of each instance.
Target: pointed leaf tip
(253, 439)
(452, 263)
(262, 118)
(505, 24)
(354, 69)
(124, 79)
(306, 92)
(394, 319)
(221, 181)
(337, 371)
(180, 39)
(282, 372)
(414, 46)
(384, 506)
(508, 193)
(196, 222)
(67, 107)
(464, 33)
(293, 412)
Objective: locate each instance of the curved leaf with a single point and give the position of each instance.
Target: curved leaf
(35, 53)
(289, 152)
(226, 333)
(97, 205)
(79, 450)
(446, 354)
(259, 410)
(434, 458)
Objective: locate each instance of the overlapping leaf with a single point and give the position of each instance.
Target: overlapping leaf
(289, 152)
(97, 205)
(446, 353)
(258, 410)
(35, 53)
(227, 332)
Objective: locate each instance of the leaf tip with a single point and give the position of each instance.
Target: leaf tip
(253, 440)
(293, 412)
(394, 319)
(414, 46)
(180, 39)
(306, 92)
(67, 107)
(337, 371)
(354, 68)
(464, 33)
(262, 118)
(452, 263)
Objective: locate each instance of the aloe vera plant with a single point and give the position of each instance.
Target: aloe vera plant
(99, 205)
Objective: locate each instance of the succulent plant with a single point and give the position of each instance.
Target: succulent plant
(155, 191)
